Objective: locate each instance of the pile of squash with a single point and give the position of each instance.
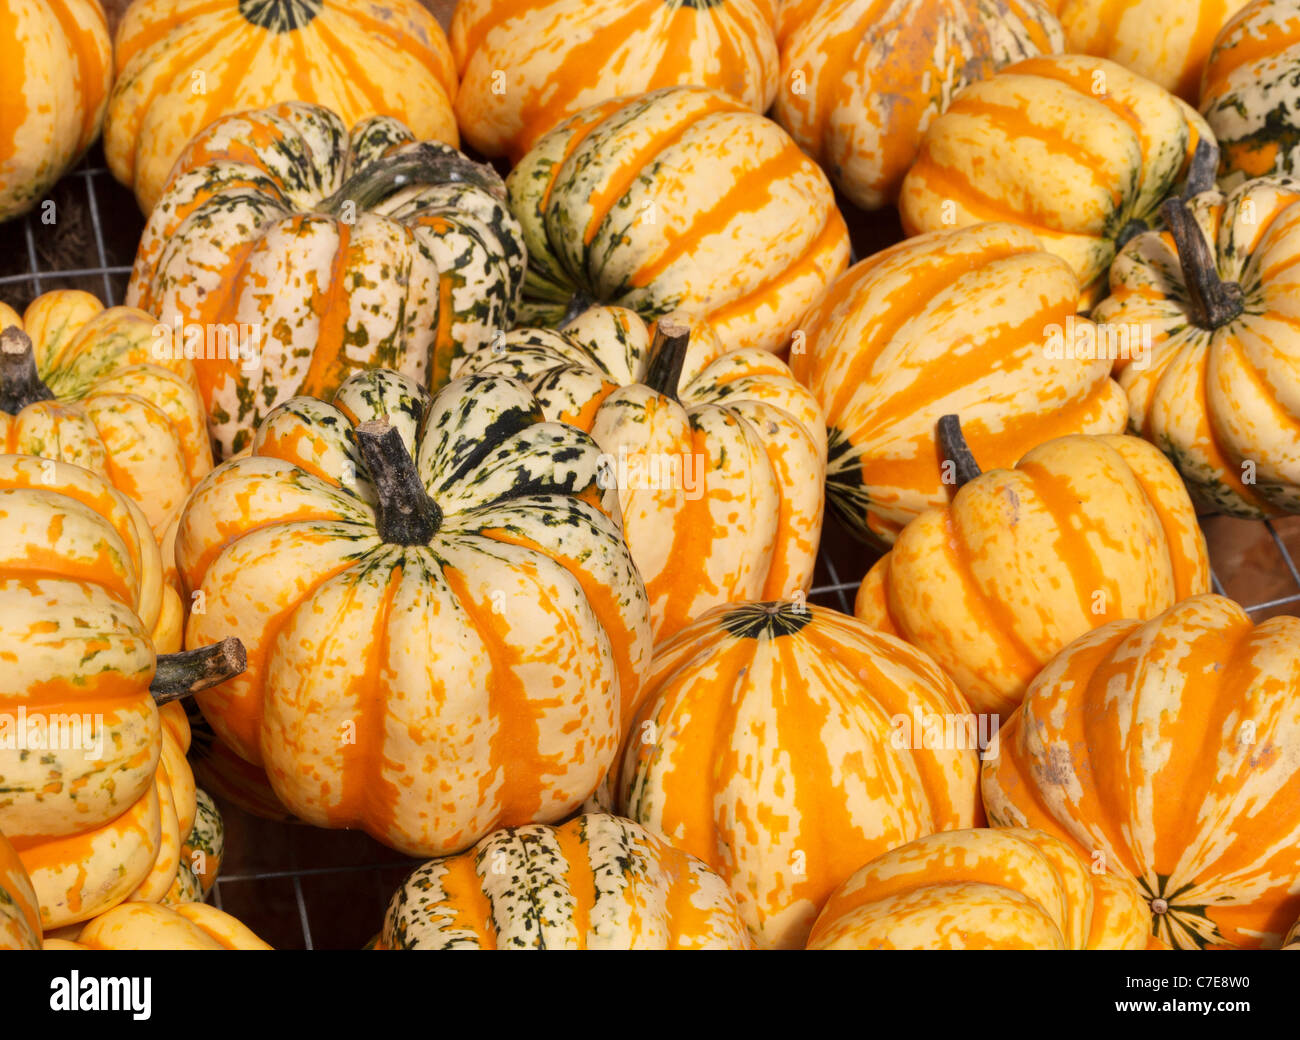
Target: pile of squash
(474, 502)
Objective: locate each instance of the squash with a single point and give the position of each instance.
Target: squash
(151, 926)
(525, 68)
(1220, 392)
(680, 200)
(718, 460)
(444, 627)
(785, 744)
(57, 73)
(979, 322)
(201, 853)
(20, 916)
(1161, 749)
(1079, 150)
(595, 883)
(183, 64)
(983, 890)
(299, 252)
(1292, 941)
(1026, 560)
(861, 80)
(232, 778)
(87, 385)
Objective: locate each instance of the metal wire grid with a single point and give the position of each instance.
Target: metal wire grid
(245, 890)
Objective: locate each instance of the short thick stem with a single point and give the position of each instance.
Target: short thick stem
(667, 356)
(404, 514)
(1203, 170)
(952, 444)
(191, 671)
(1213, 301)
(20, 385)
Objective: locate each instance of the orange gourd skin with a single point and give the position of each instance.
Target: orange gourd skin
(1223, 403)
(1161, 748)
(1010, 889)
(767, 745)
(862, 79)
(1085, 530)
(20, 916)
(152, 926)
(182, 64)
(525, 67)
(680, 200)
(954, 322)
(54, 85)
(1293, 938)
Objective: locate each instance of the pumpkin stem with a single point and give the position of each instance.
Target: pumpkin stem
(422, 163)
(952, 443)
(1203, 168)
(579, 303)
(1213, 301)
(20, 385)
(190, 671)
(405, 514)
(667, 355)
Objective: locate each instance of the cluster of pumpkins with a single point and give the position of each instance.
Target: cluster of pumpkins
(481, 513)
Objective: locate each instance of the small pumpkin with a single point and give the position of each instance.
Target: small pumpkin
(718, 458)
(679, 200)
(596, 882)
(983, 889)
(861, 80)
(201, 853)
(1026, 560)
(1292, 941)
(1220, 390)
(57, 73)
(775, 742)
(524, 70)
(322, 251)
(88, 385)
(152, 926)
(183, 64)
(20, 916)
(980, 322)
(452, 564)
(1163, 749)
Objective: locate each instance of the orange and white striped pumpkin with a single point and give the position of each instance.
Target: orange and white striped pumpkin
(182, 64)
(861, 80)
(1166, 749)
(597, 882)
(983, 889)
(151, 926)
(102, 396)
(978, 322)
(54, 83)
(718, 458)
(526, 67)
(20, 916)
(784, 744)
(680, 200)
(1026, 560)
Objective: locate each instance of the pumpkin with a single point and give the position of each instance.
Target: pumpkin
(525, 68)
(1165, 749)
(1220, 392)
(980, 322)
(151, 926)
(87, 385)
(444, 626)
(53, 90)
(1026, 560)
(983, 890)
(1292, 941)
(315, 251)
(201, 853)
(775, 742)
(595, 883)
(20, 916)
(1079, 150)
(861, 80)
(183, 64)
(718, 460)
(679, 200)
(234, 779)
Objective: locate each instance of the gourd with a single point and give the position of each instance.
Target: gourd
(20, 916)
(152, 926)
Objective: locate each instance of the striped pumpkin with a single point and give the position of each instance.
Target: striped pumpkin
(718, 460)
(1292, 941)
(525, 67)
(1079, 150)
(1220, 391)
(1165, 749)
(183, 64)
(1026, 560)
(679, 200)
(150, 926)
(20, 916)
(319, 252)
(201, 853)
(595, 883)
(425, 668)
(862, 79)
(983, 890)
(89, 386)
(959, 322)
(775, 743)
(54, 84)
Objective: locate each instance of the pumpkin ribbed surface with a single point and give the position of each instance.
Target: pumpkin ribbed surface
(150, 926)
(20, 916)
